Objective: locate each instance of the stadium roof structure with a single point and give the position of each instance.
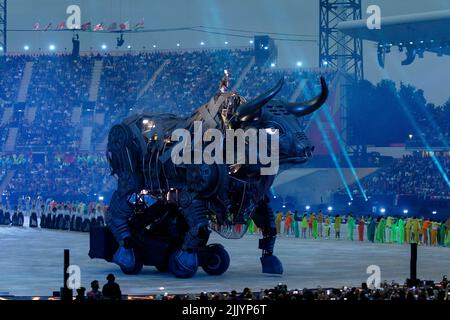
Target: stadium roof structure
(429, 31)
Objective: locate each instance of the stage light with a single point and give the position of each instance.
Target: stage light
(274, 197)
(284, 206)
(421, 41)
(411, 43)
(410, 136)
(299, 63)
(349, 203)
(325, 63)
(272, 65)
(26, 48)
(330, 208)
(161, 288)
(104, 46)
(382, 210)
(251, 41)
(100, 198)
(266, 48)
(202, 43)
(1, 48)
(226, 42)
(405, 211)
(129, 47)
(52, 47)
(178, 44)
(307, 207)
(434, 212)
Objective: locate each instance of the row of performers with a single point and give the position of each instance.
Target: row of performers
(63, 220)
(17, 218)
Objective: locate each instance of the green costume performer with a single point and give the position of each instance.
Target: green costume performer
(388, 230)
(350, 227)
(250, 226)
(304, 225)
(394, 230)
(315, 230)
(401, 231)
(442, 234)
(381, 230)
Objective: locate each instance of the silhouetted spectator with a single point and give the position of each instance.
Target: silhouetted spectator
(95, 293)
(111, 290)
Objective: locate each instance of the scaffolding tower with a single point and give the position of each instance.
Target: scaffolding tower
(340, 51)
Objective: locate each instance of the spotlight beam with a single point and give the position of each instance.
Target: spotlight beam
(343, 150)
(333, 156)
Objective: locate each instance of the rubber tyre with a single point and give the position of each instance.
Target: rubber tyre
(217, 260)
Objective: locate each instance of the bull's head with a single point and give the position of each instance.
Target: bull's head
(264, 112)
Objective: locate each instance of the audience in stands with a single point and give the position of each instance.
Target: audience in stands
(411, 175)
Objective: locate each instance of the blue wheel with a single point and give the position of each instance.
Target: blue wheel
(217, 260)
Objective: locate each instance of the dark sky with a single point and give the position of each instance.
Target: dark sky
(286, 16)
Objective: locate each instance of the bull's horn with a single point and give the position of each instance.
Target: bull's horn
(251, 107)
(301, 109)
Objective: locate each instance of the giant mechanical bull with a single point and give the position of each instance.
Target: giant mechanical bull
(162, 213)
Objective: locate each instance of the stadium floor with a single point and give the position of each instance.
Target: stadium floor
(31, 264)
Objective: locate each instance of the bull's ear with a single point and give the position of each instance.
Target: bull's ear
(302, 109)
(244, 112)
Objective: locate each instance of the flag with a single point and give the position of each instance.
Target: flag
(125, 26)
(99, 27)
(61, 26)
(86, 26)
(113, 26)
(139, 25)
(36, 26)
(49, 26)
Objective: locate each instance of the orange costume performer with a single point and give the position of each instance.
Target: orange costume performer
(425, 227)
(435, 227)
(288, 223)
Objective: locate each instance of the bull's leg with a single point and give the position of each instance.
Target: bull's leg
(119, 212)
(184, 262)
(122, 158)
(265, 220)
